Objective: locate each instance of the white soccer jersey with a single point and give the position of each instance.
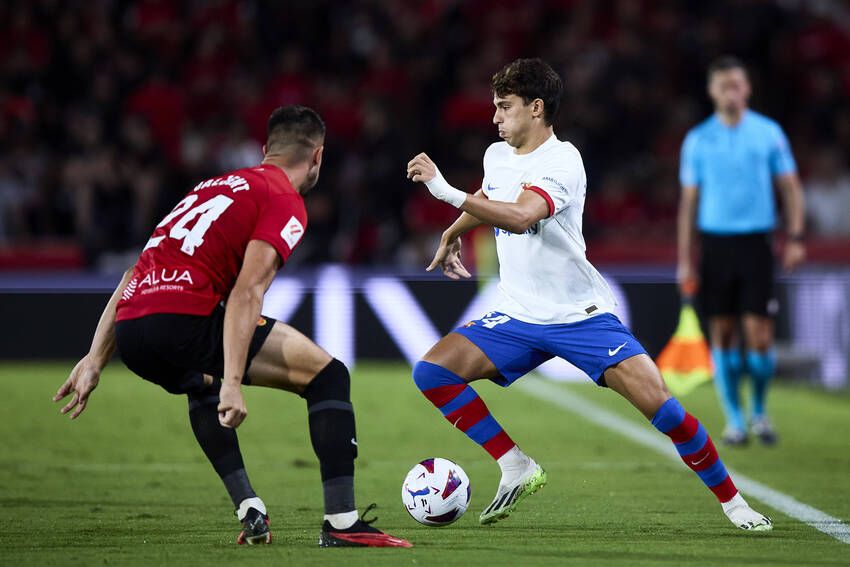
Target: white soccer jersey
(545, 276)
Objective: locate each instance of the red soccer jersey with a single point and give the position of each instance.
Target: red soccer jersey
(192, 259)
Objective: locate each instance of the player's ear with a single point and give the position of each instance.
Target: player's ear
(537, 107)
(317, 155)
(265, 150)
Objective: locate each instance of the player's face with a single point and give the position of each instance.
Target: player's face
(513, 118)
(729, 90)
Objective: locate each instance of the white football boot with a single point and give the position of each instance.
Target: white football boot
(744, 517)
(532, 479)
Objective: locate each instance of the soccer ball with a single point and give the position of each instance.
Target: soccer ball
(436, 492)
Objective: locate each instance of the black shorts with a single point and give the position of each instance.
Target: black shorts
(736, 275)
(175, 351)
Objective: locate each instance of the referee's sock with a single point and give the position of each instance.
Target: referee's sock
(727, 376)
(462, 407)
(761, 366)
(695, 448)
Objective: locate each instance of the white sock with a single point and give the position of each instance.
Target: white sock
(343, 520)
(255, 503)
(736, 502)
(513, 464)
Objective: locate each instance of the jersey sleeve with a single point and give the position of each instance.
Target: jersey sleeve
(560, 185)
(688, 167)
(282, 223)
(781, 159)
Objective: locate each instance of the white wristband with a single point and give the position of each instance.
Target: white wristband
(440, 188)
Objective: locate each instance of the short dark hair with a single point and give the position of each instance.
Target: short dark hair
(530, 79)
(725, 63)
(295, 129)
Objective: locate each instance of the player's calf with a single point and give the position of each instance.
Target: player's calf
(462, 407)
(332, 432)
(220, 444)
(334, 438)
(698, 452)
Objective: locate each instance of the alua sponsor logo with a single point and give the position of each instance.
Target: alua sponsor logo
(167, 275)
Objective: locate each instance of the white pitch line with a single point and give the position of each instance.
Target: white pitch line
(821, 521)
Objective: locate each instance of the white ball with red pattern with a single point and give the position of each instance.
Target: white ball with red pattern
(436, 492)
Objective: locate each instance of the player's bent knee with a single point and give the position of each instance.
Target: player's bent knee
(423, 375)
(428, 375)
(333, 382)
(287, 360)
(206, 396)
(460, 356)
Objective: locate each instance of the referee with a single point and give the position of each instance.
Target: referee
(729, 164)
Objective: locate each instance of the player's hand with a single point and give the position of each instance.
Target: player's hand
(448, 257)
(231, 407)
(793, 255)
(421, 169)
(687, 278)
(82, 381)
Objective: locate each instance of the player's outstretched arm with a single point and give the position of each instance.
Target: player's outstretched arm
(240, 319)
(86, 374)
(517, 217)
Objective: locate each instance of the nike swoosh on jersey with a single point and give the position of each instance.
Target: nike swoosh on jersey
(612, 352)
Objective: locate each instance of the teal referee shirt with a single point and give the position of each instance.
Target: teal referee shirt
(733, 167)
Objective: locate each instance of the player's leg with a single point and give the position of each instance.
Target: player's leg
(155, 348)
(290, 361)
(487, 349)
(728, 366)
(221, 446)
(759, 306)
(639, 381)
(443, 375)
(606, 350)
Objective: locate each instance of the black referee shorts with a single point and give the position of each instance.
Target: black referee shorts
(175, 351)
(736, 275)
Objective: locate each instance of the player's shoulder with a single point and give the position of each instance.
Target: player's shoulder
(497, 150)
(561, 154)
(564, 149)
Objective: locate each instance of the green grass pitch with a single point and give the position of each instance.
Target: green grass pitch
(126, 483)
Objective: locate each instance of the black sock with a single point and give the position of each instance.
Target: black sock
(333, 435)
(220, 444)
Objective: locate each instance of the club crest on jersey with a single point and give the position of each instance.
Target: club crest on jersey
(166, 275)
(292, 232)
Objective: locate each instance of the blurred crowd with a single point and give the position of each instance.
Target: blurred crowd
(110, 110)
